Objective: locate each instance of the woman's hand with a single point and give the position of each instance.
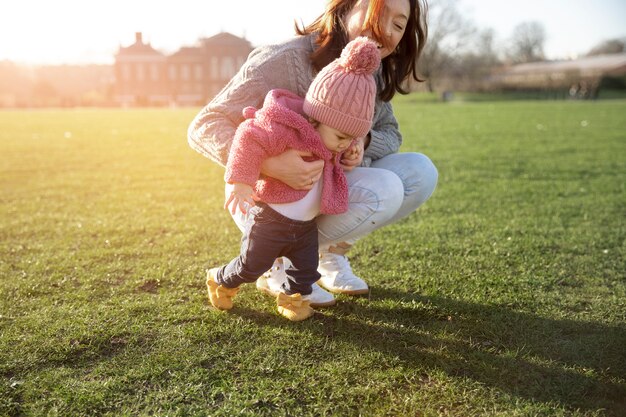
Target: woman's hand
(290, 168)
(353, 156)
(241, 196)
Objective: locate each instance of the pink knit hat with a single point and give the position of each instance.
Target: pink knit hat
(342, 94)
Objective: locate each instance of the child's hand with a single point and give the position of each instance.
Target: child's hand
(353, 156)
(240, 196)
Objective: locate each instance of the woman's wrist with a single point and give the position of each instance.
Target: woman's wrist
(268, 167)
(366, 140)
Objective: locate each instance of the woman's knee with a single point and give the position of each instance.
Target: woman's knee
(375, 197)
(381, 191)
(423, 180)
(417, 172)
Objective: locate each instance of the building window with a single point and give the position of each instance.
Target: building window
(228, 68)
(214, 68)
(184, 72)
(198, 71)
(125, 72)
(172, 72)
(154, 72)
(139, 72)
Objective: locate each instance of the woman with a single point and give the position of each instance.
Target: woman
(384, 185)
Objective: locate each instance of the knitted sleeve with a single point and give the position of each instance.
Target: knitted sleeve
(285, 66)
(212, 131)
(385, 136)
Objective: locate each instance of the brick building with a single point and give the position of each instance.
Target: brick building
(191, 76)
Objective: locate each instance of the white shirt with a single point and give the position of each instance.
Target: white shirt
(307, 208)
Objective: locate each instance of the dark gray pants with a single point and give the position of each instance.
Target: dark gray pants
(270, 235)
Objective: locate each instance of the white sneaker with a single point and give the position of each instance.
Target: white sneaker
(271, 282)
(337, 275)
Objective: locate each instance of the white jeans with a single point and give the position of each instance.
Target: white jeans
(390, 189)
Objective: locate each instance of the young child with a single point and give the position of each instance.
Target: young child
(337, 110)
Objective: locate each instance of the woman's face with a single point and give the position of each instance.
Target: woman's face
(394, 20)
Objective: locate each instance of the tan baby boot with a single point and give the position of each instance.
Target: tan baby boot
(294, 307)
(220, 296)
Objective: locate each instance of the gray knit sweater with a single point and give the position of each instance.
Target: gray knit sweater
(286, 65)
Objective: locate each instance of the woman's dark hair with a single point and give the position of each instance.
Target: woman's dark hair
(397, 67)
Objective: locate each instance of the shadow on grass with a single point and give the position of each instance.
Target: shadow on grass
(580, 365)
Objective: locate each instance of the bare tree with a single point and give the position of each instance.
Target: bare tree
(474, 66)
(485, 47)
(527, 42)
(449, 33)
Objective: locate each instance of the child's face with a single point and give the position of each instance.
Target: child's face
(334, 140)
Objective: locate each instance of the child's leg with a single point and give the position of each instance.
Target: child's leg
(304, 257)
(260, 245)
(301, 275)
(274, 278)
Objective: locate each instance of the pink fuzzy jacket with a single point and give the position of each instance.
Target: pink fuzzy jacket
(278, 126)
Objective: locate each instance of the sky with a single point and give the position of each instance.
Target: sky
(91, 31)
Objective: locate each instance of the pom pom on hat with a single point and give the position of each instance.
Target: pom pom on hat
(360, 56)
(343, 93)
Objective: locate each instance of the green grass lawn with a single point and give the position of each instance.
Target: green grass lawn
(504, 295)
